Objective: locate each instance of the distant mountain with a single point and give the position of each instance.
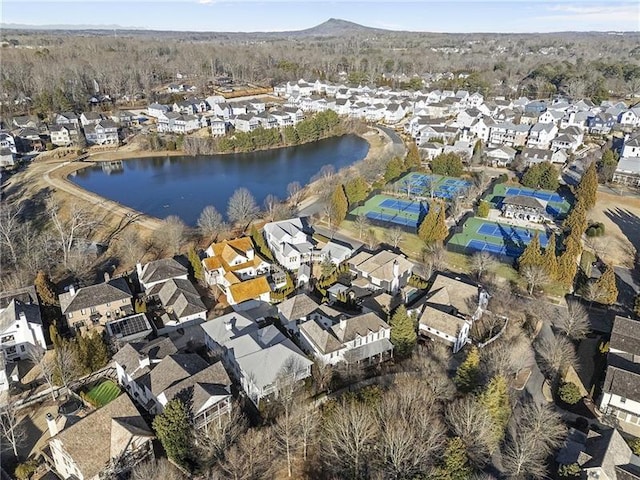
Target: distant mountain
(333, 27)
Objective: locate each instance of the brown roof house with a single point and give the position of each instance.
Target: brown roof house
(95, 305)
(363, 338)
(449, 309)
(621, 389)
(111, 439)
(155, 373)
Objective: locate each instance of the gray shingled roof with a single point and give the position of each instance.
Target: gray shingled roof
(173, 369)
(524, 201)
(100, 294)
(13, 310)
(297, 307)
(161, 270)
(622, 382)
(625, 335)
(182, 297)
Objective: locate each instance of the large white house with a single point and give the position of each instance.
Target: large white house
(20, 329)
(365, 338)
(449, 310)
(259, 358)
(384, 270)
(620, 394)
(153, 379)
(290, 241)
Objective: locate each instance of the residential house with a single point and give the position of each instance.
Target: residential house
(531, 156)
(8, 142)
(94, 445)
(60, 135)
(628, 171)
(154, 374)
(394, 113)
(155, 110)
(27, 121)
(160, 271)
(601, 454)
(296, 310)
(93, 306)
(20, 324)
(90, 118)
(133, 328)
(630, 118)
(290, 241)
(501, 156)
(7, 158)
(432, 150)
(222, 110)
(261, 359)
(245, 122)
(69, 120)
(104, 132)
(568, 139)
(620, 393)
(631, 148)
(601, 123)
(29, 140)
(238, 271)
(509, 134)
(541, 135)
(179, 303)
(383, 270)
(364, 338)
(449, 310)
(218, 127)
(551, 116)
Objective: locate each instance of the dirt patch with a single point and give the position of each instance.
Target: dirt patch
(621, 218)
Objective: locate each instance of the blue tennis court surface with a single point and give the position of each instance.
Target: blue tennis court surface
(516, 234)
(480, 246)
(389, 218)
(418, 184)
(539, 194)
(411, 207)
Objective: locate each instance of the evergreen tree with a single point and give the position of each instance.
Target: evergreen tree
(567, 269)
(549, 259)
(636, 305)
(260, 243)
(403, 332)
(532, 256)
(99, 352)
(340, 205)
(196, 264)
(587, 190)
(448, 164)
(607, 166)
(394, 169)
(56, 339)
(483, 209)
(433, 228)
(495, 398)
(356, 190)
(45, 289)
(412, 160)
(576, 221)
(606, 287)
(173, 429)
(455, 462)
(468, 372)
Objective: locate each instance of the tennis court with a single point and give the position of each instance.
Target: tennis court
(425, 186)
(389, 211)
(557, 205)
(479, 235)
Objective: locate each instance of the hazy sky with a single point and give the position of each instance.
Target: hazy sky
(271, 15)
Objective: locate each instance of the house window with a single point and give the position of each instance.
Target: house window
(82, 312)
(623, 400)
(70, 315)
(93, 309)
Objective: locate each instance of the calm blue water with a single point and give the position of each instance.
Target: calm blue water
(183, 186)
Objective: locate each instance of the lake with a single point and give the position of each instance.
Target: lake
(184, 185)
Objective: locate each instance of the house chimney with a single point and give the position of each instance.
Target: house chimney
(343, 322)
(52, 425)
(107, 277)
(22, 316)
(72, 290)
(227, 324)
(396, 268)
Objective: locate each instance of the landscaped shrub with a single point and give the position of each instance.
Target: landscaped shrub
(635, 446)
(483, 209)
(569, 393)
(595, 230)
(24, 470)
(572, 470)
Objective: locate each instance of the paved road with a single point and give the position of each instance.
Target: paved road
(395, 138)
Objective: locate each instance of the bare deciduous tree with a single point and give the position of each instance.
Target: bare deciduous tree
(370, 239)
(521, 459)
(47, 366)
(213, 441)
(322, 373)
(469, 420)
(535, 276)
(160, 468)
(543, 424)
(574, 320)
(271, 205)
(294, 190)
(211, 223)
(129, 247)
(69, 228)
(394, 236)
(361, 223)
(242, 207)
(481, 263)
(10, 227)
(67, 368)
(249, 459)
(11, 429)
(557, 353)
(171, 234)
(348, 436)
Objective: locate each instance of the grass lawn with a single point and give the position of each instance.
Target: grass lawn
(103, 393)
